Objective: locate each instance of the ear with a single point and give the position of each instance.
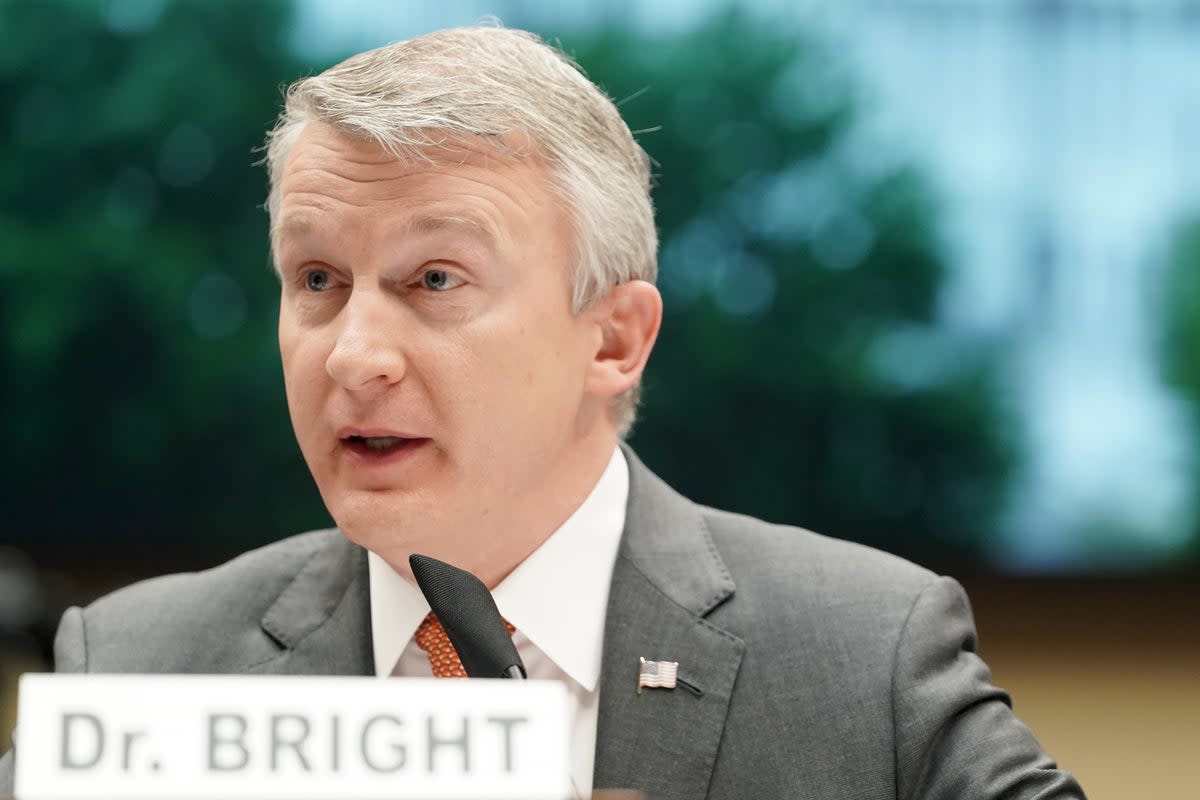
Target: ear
(628, 319)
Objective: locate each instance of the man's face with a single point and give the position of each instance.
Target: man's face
(436, 377)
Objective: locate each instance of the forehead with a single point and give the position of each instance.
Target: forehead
(465, 184)
(323, 154)
(299, 224)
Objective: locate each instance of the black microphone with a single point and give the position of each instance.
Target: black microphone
(468, 612)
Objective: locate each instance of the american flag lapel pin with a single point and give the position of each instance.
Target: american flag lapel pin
(657, 674)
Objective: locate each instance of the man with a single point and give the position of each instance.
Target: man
(466, 247)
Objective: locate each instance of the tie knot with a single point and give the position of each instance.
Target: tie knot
(433, 639)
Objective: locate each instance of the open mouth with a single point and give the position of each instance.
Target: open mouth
(379, 446)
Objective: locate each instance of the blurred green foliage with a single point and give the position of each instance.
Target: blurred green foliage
(801, 374)
(1182, 333)
(143, 401)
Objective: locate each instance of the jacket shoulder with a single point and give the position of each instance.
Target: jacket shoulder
(188, 622)
(813, 585)
(798, 556)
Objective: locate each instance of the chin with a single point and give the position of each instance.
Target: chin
(367, 516)
(383, 525)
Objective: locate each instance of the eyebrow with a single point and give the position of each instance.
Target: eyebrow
(293, 224)
(435, 223)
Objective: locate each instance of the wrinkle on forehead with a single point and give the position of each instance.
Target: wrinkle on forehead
(478, 179)
(325, 151)
(445, 150)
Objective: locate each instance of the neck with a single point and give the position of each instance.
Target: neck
(563, 496)
(497, 545)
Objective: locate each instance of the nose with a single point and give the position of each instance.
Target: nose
(367, 350)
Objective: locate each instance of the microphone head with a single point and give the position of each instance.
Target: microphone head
(468, 612)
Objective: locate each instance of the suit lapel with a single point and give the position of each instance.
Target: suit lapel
(667, 578)
(322, 619)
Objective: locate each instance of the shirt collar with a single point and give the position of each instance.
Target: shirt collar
(397, 608)
(557, 597)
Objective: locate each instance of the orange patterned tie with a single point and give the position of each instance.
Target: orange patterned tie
(431, 637)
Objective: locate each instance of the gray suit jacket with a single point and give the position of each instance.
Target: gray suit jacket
(819, 669)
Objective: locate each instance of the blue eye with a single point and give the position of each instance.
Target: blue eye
(317, 280)
(436, 280)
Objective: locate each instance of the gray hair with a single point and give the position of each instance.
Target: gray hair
(490, 81)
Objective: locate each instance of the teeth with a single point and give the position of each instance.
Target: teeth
(378, 443)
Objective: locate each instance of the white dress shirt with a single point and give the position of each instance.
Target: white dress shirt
(556, 598)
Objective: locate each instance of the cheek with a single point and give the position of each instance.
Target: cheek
(303, 366)
(458, 372)
(531, 361)
(300, 345)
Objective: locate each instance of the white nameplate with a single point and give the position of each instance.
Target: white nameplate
(200, 737)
